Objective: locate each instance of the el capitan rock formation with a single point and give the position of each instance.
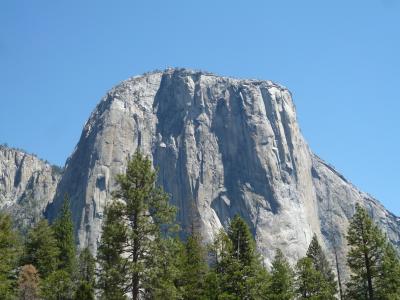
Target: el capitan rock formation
(223, 146)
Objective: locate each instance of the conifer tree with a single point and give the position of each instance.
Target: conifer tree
(365, 256)
(86, 266)
(388, 281)
(28, 283)
(243, 244)
(238, 268)
(282, 279)
(84, 291)
(10, 250)
(112, 276)
(144, 214)
(309, 280)
(64, 234)
(166, 261)
(321, 264)
(86, 276)
(57, 286)
(41, 249)
(194, 268)
(220, 256)
(250, 278)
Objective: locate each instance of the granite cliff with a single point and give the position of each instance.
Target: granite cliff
(222, 146)
(27, 185)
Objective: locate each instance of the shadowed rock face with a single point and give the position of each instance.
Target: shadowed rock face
(27, 185)
(222, 146)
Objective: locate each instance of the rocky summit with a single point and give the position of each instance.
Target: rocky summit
(222, 146)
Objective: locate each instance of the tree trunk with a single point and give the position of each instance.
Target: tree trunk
(369, 277)
(367, 266)
(338, 275)
(135, 258)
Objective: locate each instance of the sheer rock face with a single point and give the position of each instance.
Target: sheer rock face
(27, 185)
(222, 146)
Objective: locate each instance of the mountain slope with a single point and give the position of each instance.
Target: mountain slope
(27, 185)
(222, 146)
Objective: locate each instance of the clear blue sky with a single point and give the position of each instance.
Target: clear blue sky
(340, 59)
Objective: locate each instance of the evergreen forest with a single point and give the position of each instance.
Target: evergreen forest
(143, 254)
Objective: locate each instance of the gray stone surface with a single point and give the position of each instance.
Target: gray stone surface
(336, 199)
(27, 185)
(222, 146)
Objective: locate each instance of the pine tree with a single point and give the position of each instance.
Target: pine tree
(212, 290)
(322, 265)
(144, 215)
(282, 279)
(10, 250)
(84, 291)
(86, 276)
(64, 234)
(113, 266)
(248, 274)
(28, 283)
(237, 265)
(194, 268)
(87, 266)
(366, 252)
(243, 244)
(308, 280)
(166, 261)
(57, 286)
(41, 249)
(388, 281)
(220, 256)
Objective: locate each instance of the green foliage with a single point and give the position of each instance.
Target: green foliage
(57, 286)
(282, 279)
(365, 256)
(236, 264)
(64, 234)
(248, 276)
(86, 276)
(87, 266)
(144, 216)
(140, 257)
(321, 264)
(222, 268)
(310, 282)
(243, 245)
(388, 281)
(52, 251)
(314, 276)
(84, 291)
(41, 249)
(194, 269)
(165, 270)
(10, 250)
(113, 266)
